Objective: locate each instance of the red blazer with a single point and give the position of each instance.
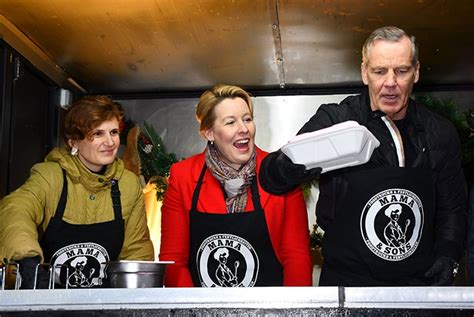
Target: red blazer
(286, 217)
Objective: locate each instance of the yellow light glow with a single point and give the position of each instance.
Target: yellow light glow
(153, 214)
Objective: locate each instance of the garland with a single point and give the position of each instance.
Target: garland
(155, 162)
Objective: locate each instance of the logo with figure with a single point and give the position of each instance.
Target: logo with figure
(391, 224)
(79, 265)
(226, 260)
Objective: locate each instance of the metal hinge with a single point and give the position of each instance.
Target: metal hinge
(16, 68)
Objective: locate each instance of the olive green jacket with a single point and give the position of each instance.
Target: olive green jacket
(26, 212)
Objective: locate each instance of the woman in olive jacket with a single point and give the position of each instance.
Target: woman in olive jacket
(80, 207)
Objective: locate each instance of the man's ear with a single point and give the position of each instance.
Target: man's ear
(417, 72)
(363, 72)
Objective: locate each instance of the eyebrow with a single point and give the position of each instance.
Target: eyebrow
(234, 117)
(228, 117)
(385, 67)
(103, 130)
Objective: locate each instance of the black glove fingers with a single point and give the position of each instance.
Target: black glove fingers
(28, 267)
(295, 174)
(442, 272)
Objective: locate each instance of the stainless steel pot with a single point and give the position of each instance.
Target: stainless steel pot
(136, 274)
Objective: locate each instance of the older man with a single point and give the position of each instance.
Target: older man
(417, 166)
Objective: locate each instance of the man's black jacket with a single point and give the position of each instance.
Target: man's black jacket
(443, 154)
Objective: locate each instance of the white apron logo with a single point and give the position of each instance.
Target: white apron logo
(226, 260)
(80, 264)
(391, 224)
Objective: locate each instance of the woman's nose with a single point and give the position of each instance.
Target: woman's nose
(110, 140)
(243, 127)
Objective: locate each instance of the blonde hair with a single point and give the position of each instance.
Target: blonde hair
(205, 110)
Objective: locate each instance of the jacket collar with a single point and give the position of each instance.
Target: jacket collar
(377, 114)
(79, 173)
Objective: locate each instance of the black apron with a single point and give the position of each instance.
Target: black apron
(78, 251)
(384, 233)
(232, 250)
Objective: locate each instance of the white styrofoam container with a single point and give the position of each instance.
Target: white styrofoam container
(341, 145)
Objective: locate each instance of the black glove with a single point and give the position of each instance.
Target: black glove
(28, 271)
(278, 174)
(442, 272)
(294, 174)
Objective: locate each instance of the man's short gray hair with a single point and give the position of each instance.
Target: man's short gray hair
(391, 34)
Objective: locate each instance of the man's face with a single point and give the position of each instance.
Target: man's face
(390, 75)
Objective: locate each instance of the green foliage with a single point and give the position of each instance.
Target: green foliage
(154, 161)
(449, 110)
(316, 234)
(306, 188)
(316, 237)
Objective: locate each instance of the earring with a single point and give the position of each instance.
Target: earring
(212, 142)
(74, 151)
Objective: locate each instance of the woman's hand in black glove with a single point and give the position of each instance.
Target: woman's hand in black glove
(442, 272)
(28, 272)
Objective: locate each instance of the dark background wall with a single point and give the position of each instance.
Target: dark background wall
(28, 118)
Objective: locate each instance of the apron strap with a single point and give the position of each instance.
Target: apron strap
(115, 193)
(255, 195)
(197, 190)
(63, 198)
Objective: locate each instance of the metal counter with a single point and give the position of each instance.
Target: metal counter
(267, 301)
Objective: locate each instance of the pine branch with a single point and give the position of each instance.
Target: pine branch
(449, 110)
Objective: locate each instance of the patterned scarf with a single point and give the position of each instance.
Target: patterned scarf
(235, 182)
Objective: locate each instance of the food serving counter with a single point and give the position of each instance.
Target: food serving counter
(268, 301)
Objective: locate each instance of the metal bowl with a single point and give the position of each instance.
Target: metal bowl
(136, 274)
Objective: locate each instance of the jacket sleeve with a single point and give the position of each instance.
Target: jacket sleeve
(470, 237)
(137, 244)
(451, 202)
(294, 252)
(175, 234)
(21, 213)
(278, 175)
(270, 177)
